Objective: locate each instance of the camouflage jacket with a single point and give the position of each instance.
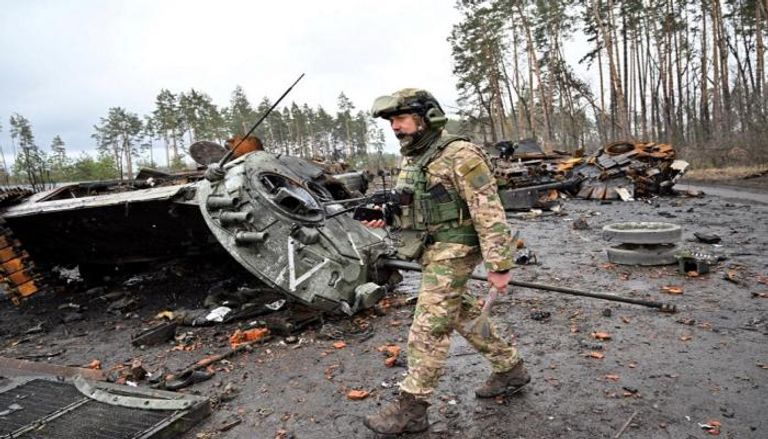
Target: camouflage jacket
(464, 167)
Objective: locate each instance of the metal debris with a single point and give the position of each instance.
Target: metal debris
(95, 409)
(643, 169)
(619, 171)
(157, 334)
(17, 272)
(540, 315)
(694, 262)
(218, 314)
(525, 256)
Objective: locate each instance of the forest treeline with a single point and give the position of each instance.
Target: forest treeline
(690, 73)
(686, 72)
(126, 141)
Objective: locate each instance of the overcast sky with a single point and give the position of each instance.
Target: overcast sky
(66, 62)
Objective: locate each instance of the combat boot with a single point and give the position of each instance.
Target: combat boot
(405, 415)
(504, 382)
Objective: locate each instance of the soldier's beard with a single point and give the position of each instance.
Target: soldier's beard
(415, 144)
(409, 139)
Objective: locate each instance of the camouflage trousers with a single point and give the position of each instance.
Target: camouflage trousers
(444, 305)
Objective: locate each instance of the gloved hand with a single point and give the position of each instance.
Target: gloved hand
(214, 172)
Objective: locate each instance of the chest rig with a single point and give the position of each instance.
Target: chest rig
(431, 214)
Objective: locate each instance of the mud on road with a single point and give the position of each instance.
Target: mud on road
(667, 374)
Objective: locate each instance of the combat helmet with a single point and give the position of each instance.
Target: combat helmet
(410, 100)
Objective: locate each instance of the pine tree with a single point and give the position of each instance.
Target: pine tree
(167, 120)
(29, 160)
(343, 131)
(239, 114)
(120, 134)
(58, 160)
(201, 118)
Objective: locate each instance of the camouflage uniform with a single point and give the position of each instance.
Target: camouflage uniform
(444, 304)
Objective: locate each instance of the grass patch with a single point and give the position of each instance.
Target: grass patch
(727, 173)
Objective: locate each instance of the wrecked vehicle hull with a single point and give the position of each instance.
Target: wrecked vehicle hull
(277, 220)
(133, 226)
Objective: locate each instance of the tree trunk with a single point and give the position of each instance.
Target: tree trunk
(760, 57)
(530, 123)
(720, 36)
(495, 102)
(626, 71)
(601, 116)
(518, 133)
(167, 149)
(537, 70)
(486, 105)
(717, 102)
(5, 167)
(704, 117)
(128, 159)
(174, 145)
(679, 102)
(641, 62)
(616, 88)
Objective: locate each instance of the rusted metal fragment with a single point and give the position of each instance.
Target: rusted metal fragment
(17, 272)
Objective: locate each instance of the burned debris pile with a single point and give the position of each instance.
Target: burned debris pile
(530, 178)
(642, 169)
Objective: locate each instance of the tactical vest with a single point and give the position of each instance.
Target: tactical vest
(430, 208)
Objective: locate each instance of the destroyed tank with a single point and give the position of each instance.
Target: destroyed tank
(279, 216)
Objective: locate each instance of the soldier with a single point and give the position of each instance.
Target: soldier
(452, 219)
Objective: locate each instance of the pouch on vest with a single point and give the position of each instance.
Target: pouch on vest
(411, 244)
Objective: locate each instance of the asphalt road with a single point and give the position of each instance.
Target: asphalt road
(669, 374)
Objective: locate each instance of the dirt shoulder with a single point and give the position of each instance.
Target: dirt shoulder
(752, 177)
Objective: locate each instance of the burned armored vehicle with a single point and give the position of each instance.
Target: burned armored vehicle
(529, 177)
(282, 218)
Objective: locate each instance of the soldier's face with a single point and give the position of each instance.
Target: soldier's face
(405, 125)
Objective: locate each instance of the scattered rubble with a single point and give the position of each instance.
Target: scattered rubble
(282, 377)
(530, 178)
